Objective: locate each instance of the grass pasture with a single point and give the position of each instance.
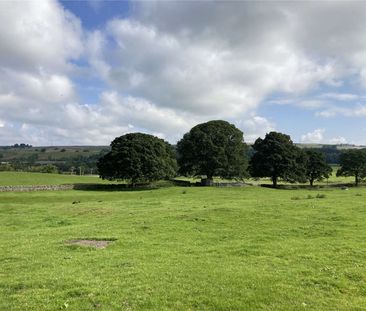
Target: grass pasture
(247, 248)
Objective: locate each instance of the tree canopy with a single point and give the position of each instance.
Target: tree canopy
(353, 163)
(277, 157)
(316, 167)
(214, 148)
(138, 157)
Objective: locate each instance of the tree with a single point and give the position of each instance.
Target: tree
(138, 157)
(49, 168)
(214, 148)
(6, 167)
(316, 166)
(353, 163)
(277, 157)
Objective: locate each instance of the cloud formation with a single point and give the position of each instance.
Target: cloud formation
(315, 136)
(170, 65)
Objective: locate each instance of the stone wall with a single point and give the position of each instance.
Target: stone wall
(103, 187)
(109, 187)
(35, 188)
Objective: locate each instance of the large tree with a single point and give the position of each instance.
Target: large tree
(138, 157)
(316, 166)
(214, 148)
(353, 163)
(277, 157)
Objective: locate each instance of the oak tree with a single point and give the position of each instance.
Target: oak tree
(138, 157)
(214, 148)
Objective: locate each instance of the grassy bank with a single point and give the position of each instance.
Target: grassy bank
(184, 249)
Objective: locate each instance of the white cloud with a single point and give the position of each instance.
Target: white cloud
(358, 110)
(256, 126)
(314, 137)
(37, 86)
(145, 115)
(207, 77)
(340, 96)
(172, 65)
(317, 137)
(37, 46)
(39, 35)
(338, 140)
(311, 104)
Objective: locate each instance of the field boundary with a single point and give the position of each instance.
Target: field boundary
(19, 188)
(187, 183)
(77, 186)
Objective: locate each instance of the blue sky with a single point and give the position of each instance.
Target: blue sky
(95, 14)
(84, 72)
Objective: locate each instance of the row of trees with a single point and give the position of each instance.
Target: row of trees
(33, 161)
(217, 148)
(277, 157)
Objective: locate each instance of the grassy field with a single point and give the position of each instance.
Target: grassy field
(248, 248)
(23, 178)
(26, 178)
(332, 180)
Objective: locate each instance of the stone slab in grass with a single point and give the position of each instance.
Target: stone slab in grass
(100, 244)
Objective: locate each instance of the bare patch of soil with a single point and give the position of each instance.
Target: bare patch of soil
(90, 243)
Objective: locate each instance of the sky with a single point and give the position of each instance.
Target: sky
(85, 72)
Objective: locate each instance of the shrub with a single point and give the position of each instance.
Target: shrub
(6, 167)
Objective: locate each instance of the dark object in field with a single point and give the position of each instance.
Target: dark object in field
(344, 188)
(100, 244)
(76, 202)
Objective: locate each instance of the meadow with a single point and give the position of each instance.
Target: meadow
(175, 248)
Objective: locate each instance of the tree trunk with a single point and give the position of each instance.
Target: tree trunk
(356, 179)
(207, 181)
(311, 182)
(274, 181)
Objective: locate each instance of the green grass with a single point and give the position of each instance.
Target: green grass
(332, 180)
(176, 248)
(24, 178)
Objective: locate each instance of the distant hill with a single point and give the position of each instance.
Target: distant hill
(74, 158)
(65, 158)
(49, 153)
(338, 147)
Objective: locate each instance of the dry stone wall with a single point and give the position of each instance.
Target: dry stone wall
(35, 188)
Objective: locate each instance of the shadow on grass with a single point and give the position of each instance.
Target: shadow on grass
(121, 187)
(308, 187)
